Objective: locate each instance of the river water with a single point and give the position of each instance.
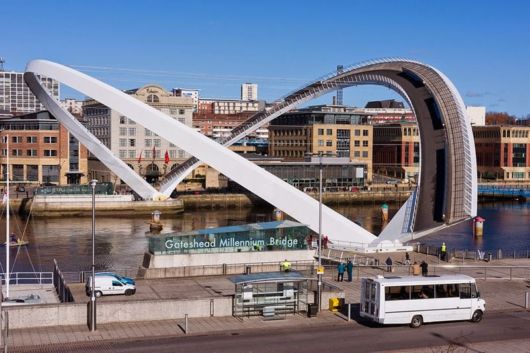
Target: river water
(121, 242)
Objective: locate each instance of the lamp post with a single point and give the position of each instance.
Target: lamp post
(93, 291)
(319, 272)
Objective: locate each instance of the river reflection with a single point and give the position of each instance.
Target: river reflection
(121, 242)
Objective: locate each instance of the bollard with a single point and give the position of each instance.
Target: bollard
(186, 324)
(526, 301)
(349, 311)
(478, 226)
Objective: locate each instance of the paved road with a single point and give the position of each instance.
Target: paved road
(341, 338)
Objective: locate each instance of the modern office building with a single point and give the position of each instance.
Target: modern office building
(144, 151)
(190, 93)
(397, 150)
(387, 112)
(41, 151)
(249, 92)
(74, 106)
(503, 152)
(228, 106)
(328, 130)
(15, 96)
(476, 115)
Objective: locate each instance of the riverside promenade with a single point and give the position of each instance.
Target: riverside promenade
(502, 295)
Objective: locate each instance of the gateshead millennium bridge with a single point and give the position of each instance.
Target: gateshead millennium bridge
(447, 187)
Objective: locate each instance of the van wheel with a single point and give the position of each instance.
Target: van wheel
(98, 294)
(416, 321)
(129, 292)
(477, 316)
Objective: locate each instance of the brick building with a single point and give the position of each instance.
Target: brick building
(41, 151)
(503, 152)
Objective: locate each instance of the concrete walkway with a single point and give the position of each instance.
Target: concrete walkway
(148, 329)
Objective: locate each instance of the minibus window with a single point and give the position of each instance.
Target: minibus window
(423, 292)
(397, 293)
(117, 283)
(465, 290)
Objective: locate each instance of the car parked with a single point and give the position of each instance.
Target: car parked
(108, 285)
(126, 280)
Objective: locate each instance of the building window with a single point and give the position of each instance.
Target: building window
(357, 154)
(16, 152)
(365, 143)
(152, 98)
(32, 172)
(123, 142)
(50, 139)
(329, 132)
(321, 143)
(320, 132)
(357, 143)
(132, 154)
(182, 111)
(31, 153)
(157, 143)
(357, 132)
(132, 131)
(132, 142)
(148, 132)
(365, 154)
(329, 143)
(50, 153)
(181, 154)
(148, 142)
(16, 139)
(123, 131)
(365, 132)
(31, 139)
(123, 120)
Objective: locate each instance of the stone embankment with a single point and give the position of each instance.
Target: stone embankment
(244, 200)
(81, 205)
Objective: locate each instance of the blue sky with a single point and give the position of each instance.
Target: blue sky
(482, 46)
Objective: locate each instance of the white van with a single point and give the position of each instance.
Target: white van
(109, 285)
(414, 300)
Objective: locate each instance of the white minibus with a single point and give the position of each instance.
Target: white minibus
(414, 300)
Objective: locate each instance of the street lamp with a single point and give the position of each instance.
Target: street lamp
(93, 291)
(319, 272)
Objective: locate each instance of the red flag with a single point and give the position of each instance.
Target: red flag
(166, 157)
(140, 157)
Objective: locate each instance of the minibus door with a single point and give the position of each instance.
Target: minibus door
(467, 295)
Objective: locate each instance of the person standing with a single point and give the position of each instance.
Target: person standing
(286, 266)
(424, 268)
(340, 271)
(443, 252)
(388, 264)
(349, 269)
(407, 259)
(415, 269)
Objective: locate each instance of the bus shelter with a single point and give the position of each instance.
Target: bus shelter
(271, 294)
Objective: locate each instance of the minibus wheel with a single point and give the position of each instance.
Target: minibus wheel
(416, 321)
(129, 292)
(477, 316)
(98, 294)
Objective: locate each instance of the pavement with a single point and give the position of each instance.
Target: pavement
(500, 293)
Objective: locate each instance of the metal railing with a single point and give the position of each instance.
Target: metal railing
(38, 278)
(468, 254)
(483, 272)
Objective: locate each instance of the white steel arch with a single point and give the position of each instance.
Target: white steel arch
(265, 185)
